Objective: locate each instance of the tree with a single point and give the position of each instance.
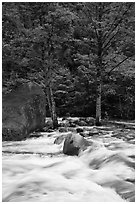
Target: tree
(95, 41)
(50, 26)
(110, 39)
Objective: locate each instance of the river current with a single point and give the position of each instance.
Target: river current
(36, 170)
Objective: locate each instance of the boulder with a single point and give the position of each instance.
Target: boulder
(63, 129)
(72, 124)
(82, 123)
(73, 120)
(79, 130)
(60, 138)
(91, 133)
(83, 134)
(48, 124)
(90, 121)
(71, 129)
(24, 111)
(74, 143)
(64, 123)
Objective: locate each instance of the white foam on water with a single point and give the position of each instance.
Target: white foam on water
(37, 171)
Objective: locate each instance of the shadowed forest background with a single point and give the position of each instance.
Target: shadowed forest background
(82, 55)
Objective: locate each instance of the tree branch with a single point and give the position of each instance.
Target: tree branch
(111, 59)
(105, 36)
(118, 23)
(117, 65)
(105, 46)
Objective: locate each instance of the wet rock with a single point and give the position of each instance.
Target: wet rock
(50, 130)
(48, 125)
(35, 135)
(72, 129)
(83, 134)
(79, 130)
(81, 123)
(64, 123)
(64, 118)
(23, 111)
(63, 129)
(47, 129)
(74, 144)
(72, 124)
(88, 129)
(73, 120)
(90, 121)
(60, 138)
(93, 133)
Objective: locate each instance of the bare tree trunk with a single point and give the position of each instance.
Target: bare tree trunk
(120, 107)
(98, 98)
(99, 69)
(52, 106)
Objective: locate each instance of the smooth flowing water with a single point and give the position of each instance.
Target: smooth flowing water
(36, 170)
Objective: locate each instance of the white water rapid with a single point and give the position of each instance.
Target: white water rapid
(36, 170)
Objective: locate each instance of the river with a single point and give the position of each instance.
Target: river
(36, 170)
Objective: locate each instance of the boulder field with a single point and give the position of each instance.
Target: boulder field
(23, 111)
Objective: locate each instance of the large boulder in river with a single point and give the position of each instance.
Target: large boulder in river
(23, 111)
(74, 143)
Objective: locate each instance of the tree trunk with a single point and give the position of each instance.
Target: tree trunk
(120, 108)
(99, 69)
(98, 99)
(52, 106)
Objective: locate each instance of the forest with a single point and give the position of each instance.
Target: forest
(82, 54)
(68, 101)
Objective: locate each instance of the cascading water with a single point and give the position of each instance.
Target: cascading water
(37, 170)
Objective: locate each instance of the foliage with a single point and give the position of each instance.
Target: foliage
(60, 43)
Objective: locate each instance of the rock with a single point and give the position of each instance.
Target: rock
(79, 130)
(67, 115)
(63, 129)
(74, 143)
(64, 118)
(24, 111)
(45, 129)
(88, 128)
(74, 120)
(71, 129)
(72, 124)
(83, 134)
(35, 135)
(50, 130)
(90, 121)
(48, 124)
(81, 123)
(64, 123)
(93, 133)
(60, 138)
